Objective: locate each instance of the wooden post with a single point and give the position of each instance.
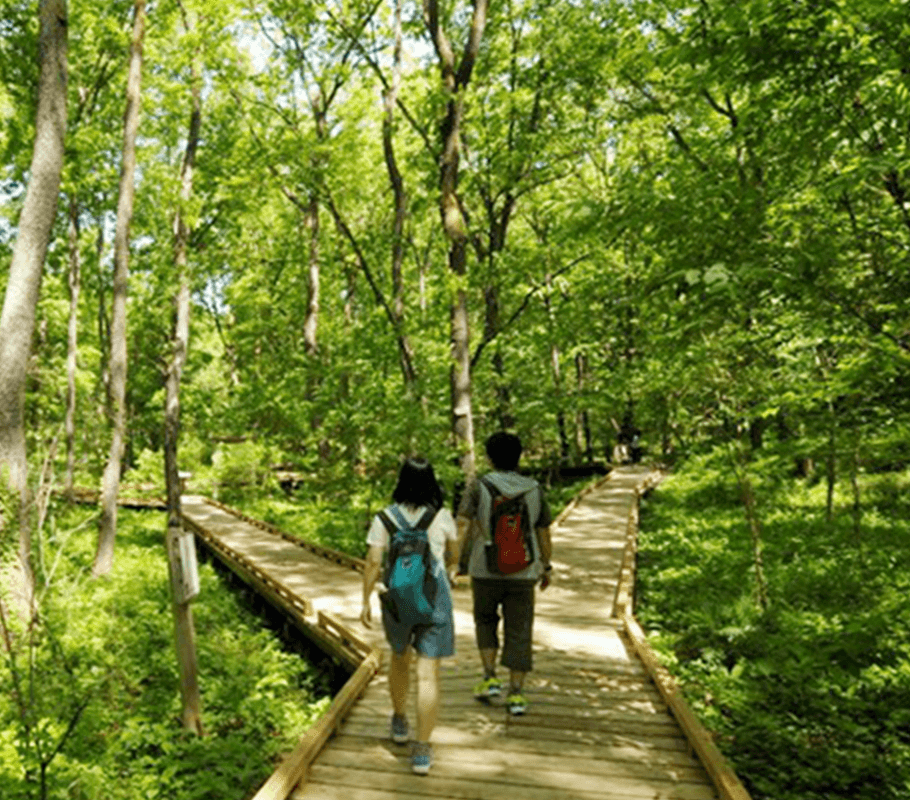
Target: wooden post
(183, 628)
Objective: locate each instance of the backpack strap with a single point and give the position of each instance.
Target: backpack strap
(401, 523)
(426, 520)
(399, 518)
(390, 526)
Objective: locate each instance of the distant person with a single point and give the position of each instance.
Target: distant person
(420, 537)
(504, 526)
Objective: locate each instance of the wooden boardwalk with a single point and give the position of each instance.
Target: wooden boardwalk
(596, 726)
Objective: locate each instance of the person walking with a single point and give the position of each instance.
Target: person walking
(504, 526)
(420, 537)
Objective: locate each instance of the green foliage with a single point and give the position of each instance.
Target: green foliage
(806, 697)
(246, 463)
(103, 682)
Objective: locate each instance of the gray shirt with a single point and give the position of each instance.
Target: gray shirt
(476, 505)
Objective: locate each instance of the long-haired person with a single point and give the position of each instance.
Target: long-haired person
(415, 539)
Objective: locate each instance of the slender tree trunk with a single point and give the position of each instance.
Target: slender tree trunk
(583, 435)
(17, 320)
(557, 375)
(831, 463)
(455, 79)
(400, 203)
(311, 323)
(104, 556)
(104, 328)
(740, 467)
(183, 615)
(75, 283)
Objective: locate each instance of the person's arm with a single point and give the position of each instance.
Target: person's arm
(545, 543)
(546, 546)
(370, 575)
(465, 526)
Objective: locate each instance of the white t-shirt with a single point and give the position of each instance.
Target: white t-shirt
(442, 529)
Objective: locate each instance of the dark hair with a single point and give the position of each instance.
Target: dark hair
(417, 484)
(504, 450)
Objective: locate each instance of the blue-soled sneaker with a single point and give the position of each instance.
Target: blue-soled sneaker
(487, 689)
(517, 704)
(400, 730)
(421, 758)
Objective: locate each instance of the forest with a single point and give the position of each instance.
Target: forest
(270, 248)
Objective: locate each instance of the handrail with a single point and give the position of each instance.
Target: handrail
(719, 770)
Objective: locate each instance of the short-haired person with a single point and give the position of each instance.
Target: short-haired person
(416, 492)
(493, 591)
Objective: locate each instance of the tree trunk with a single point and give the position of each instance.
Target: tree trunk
(104, 556)
(75, 283)
(400, 203)
(455, 79)
(740, 468)
(557, 375)
(583, 436)
(311, 323)
(17, 320)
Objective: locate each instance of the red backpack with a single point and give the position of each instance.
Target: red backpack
(511, 549)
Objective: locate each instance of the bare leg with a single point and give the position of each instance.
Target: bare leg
(488, 660)
(516, 681)
(399, 669)
(427, 697)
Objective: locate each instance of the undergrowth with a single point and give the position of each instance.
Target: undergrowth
(809, 697)
(90, 704)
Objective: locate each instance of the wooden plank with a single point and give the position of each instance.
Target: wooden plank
(519, 774)
(671, 766)
(648, 702)
(440, 786)
(554, 738)
(622, 751)
(578, 718)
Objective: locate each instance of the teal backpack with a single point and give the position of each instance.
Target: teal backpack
(409, 574)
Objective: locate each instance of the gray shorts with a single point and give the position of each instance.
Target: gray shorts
(516, 598)
(436, 640)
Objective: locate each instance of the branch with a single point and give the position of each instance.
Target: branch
(472, 45)
(490, 335)
(395, 322)
(373, 64)
(727, 112)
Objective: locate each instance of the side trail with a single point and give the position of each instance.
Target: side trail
(596, 727)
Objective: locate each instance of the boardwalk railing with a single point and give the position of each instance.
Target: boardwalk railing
(722, 775)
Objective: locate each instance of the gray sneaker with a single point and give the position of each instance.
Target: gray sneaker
(421, 758)
(400, 730)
